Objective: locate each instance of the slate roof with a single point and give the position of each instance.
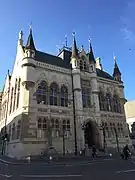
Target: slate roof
(64, 63)
(53, 60)
(104, 74)
(30, 42)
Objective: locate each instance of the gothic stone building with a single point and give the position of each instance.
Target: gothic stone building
(48, 98)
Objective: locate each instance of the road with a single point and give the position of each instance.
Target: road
(105, 169)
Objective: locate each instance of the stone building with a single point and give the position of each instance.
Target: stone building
(47, 99)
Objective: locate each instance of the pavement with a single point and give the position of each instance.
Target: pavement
(95, 169)
(46, 159)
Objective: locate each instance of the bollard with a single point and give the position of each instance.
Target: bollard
(29, 160)
(50, 158)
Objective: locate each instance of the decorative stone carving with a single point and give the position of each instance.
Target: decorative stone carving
(42, 76)
(42, 109)
(27, 84)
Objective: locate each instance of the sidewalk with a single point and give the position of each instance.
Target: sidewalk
(45, 159)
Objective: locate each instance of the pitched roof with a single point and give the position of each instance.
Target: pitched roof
(30, 42)
(116, 70)
(74, 49)
(64, 63)
(53, 60)
(91, 55)
(104, 74)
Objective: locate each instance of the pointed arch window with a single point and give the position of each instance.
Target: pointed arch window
(15, 90)
(54, 90)
(85, 66)
(11, 100)
(108, 102)
(86, 93)
(42, 93)
(81, 65)
(66, 128)
(101, 101)
(112, 129)
(64, 96)
(18, 93)
(116, 104)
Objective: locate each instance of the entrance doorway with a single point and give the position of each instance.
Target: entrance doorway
(91, 134)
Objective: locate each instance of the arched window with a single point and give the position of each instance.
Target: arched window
(55, 128)
(116, 104)
(68, 125)
(86, 93)
(18, 93)
(42, 93)
(86, 97)
(108, 102)
(54, 90)
(81, 65)
(15, 94)
(64, 96)
(64, 124)
(101, 101)
(44, 124)
(66, 128)
(39, 123)
(85, 66)
(111, 129)
(11, 100)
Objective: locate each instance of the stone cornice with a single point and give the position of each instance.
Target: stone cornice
(53, 68)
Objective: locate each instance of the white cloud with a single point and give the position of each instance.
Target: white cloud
(128, 34)
(127, 22)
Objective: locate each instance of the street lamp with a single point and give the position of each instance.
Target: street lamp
(74, 114)
(117, 141)
(104, 135)
(64, 131)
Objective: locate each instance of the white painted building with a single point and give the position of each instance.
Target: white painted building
(130, 113)
(46, 94)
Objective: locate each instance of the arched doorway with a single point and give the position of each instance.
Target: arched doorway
(91, 134)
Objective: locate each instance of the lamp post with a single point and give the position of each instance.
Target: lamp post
(117, 141)
(63, 138)
(50, 130)
(74, 115)
(104, 136)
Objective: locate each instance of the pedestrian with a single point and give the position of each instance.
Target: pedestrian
(126, 152)
(94, 151)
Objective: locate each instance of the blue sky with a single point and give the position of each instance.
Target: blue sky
(109, 23)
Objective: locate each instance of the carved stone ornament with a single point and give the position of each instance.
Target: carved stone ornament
(27, 84)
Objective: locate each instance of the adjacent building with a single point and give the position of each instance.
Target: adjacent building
(130, 117)
(67, 98)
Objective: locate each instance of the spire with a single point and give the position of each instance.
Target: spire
(20, 38)
(90, 54)
(66, 43)
(116, 71)
(74, 48)
(30, 41)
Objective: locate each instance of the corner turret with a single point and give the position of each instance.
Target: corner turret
(116, 71)
(28, 63)
(74, 56)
